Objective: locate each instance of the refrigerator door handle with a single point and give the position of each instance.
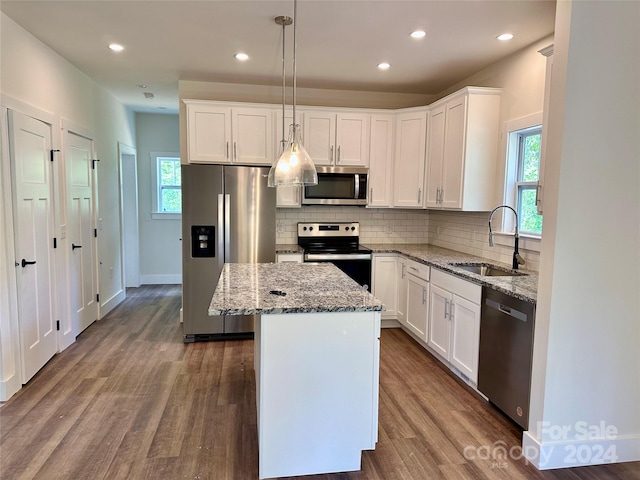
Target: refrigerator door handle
(227, 224)
(219, 237)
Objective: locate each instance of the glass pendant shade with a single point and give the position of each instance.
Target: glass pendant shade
(294, 167)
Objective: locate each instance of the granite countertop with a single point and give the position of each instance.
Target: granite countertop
(243, 289)
(289, 248)
(523, 287)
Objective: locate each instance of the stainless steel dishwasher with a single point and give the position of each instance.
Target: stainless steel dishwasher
(506, 350)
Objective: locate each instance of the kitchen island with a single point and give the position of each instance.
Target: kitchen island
(316, 363)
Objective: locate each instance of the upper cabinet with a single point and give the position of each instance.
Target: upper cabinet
(229, 134)
(408, 183)
(339, 139)
(381, 160)
(462, 150)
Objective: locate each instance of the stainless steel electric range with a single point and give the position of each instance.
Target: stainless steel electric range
(338, 243)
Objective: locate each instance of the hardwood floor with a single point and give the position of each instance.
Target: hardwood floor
(129, 400)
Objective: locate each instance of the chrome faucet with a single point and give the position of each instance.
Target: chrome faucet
(517, 259)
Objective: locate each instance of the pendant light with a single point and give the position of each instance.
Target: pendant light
(294, 167)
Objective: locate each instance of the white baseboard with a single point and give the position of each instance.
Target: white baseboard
(161, 279)
(389, 323)
(579, 453)
(110, 304)
(9, 387)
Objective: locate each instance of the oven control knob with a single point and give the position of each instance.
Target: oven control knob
(353, 228)
(346, 228)
(310, 228)
(304, 228)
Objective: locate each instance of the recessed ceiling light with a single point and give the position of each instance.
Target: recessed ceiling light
(418, 34)
(241, 56)
(383, 66)
(141, 85)
(116, 47)
(505, 36)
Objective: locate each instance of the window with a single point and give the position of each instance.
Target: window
(167, 201)
(528, 170)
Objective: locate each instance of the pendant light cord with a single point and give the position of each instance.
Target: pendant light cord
(284, 140)
(295, 25)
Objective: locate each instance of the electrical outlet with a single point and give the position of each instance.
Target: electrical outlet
(280, 227)
(438, 230)
(389, 228)
(63, 231)
(100, 224)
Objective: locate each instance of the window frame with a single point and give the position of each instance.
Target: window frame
(504, 223)
(523, 185)
(156, 187)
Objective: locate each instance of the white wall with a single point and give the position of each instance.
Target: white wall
(160, 246)
(588, 317)
(37, 81)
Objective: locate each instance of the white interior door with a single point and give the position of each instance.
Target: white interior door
(30, 142)
(129, 205)
(81, 238)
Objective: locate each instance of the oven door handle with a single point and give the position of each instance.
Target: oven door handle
(336, 256)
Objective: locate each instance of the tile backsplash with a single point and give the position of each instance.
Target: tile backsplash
(466, 232)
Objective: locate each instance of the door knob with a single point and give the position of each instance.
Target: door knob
(25, 263)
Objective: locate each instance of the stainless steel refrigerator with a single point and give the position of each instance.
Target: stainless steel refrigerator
(228, 215)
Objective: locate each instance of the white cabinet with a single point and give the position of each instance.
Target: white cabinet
(289, 258)
(547, 52)
(401, 278)
(223, 133)
(413, 297)
(381, 160)
(409, 161)
(339, 139)
(462, 150)
(454, 321)
(384, 281)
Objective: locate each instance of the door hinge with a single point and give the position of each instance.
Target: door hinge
(58, 325)
(55, 242)
(97, 297)
(95, 232)
(93, 163)
(53, 152)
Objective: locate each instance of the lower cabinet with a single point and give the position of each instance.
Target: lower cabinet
(289, 258)
(384, 282)
(454, 316)
(413, 297)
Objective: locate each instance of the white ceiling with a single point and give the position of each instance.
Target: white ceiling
(339, 42)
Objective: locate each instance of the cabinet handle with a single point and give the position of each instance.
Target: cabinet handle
(414, 269)
(74, 246)
(331, 155)
(441, 196)
(419, 195)
(424, 291)
(403, 270)
(371, 194)
(227, 149)
(338, 157)
(451, 307)
(235, 152)
(446, 306)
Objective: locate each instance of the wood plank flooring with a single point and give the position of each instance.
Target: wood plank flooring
(129, 400)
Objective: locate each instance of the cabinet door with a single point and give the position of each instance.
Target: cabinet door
(380, 160)
(435, 156)
(411, 131)
(401, 306)
(417, 306)
(252, 136)
(454, 153)
(439, 322)
(385, 285)
(208, 133)
(352, 140)
(465, 341)
(319, 136)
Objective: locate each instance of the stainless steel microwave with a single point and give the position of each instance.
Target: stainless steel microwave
(338, 186)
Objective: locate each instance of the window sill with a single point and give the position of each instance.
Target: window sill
(527, 242)
(166, 216)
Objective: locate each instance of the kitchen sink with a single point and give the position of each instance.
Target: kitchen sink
(487, 270)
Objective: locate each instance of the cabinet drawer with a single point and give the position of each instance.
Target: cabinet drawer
(460, 287)
(418, 269)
